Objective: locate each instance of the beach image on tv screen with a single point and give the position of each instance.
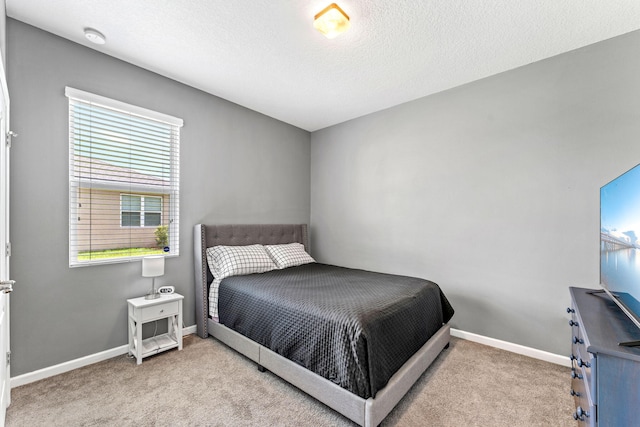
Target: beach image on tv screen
(619, 238)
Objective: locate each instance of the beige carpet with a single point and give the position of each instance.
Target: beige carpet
(208, 384)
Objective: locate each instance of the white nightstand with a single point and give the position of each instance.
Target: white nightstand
(143, 310)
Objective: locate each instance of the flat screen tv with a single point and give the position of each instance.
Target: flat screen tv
(620, 242)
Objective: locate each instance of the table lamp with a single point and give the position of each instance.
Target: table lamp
(153, 266)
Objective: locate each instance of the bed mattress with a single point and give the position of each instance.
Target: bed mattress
(353, 327)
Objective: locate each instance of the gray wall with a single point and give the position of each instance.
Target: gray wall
(490, 189)
(236, 166)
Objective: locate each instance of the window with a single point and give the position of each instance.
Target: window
(123, 180)
(140, 211)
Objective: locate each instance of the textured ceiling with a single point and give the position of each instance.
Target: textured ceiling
(266, 55)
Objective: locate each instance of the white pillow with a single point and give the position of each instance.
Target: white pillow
(226, 261)
(289, 255)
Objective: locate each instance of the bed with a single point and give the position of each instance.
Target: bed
(366, 401)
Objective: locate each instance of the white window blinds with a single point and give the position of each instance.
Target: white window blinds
(124, 180)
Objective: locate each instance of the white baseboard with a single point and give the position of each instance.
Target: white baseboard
(189, 330)
(61, 368)
(514, 348)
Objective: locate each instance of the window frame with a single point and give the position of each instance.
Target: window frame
(166, 193)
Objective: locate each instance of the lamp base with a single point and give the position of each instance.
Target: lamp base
(153, 294)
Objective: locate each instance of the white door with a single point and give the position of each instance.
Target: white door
(5, 282)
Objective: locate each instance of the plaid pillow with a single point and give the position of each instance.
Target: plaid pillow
(226, 261)
(289, 255)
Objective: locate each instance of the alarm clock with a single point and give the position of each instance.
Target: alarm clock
(166, 290)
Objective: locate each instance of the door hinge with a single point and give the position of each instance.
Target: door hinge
(8, 252)
(11, 134)
(8, 358)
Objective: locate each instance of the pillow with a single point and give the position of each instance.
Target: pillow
(288, 255)
(226, 261)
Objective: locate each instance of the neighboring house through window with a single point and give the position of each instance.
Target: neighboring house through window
(123, 180)
(140, 211)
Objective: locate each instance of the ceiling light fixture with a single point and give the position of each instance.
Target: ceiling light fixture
(94, 36)
(331, 21)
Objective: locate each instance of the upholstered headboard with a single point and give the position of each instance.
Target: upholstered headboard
(206, 236)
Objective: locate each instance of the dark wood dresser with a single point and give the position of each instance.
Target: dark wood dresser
(605, 377)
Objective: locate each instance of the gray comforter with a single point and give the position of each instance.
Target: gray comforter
(353, 327)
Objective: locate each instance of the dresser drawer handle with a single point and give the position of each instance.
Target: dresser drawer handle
(570, 310)
(577, 340)
(582, 363)
(576, 375)
(572, 357)
(572, 323)
(580, 414)
(575, 393)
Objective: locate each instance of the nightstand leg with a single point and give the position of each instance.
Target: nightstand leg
(132, 327)
(171, 326)
(179, 327)
(139, 343)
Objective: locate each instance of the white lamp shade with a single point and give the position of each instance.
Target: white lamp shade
(152, 266)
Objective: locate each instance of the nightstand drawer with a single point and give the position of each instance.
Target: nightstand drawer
(159, 311)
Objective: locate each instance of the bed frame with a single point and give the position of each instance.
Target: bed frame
(366, 412)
